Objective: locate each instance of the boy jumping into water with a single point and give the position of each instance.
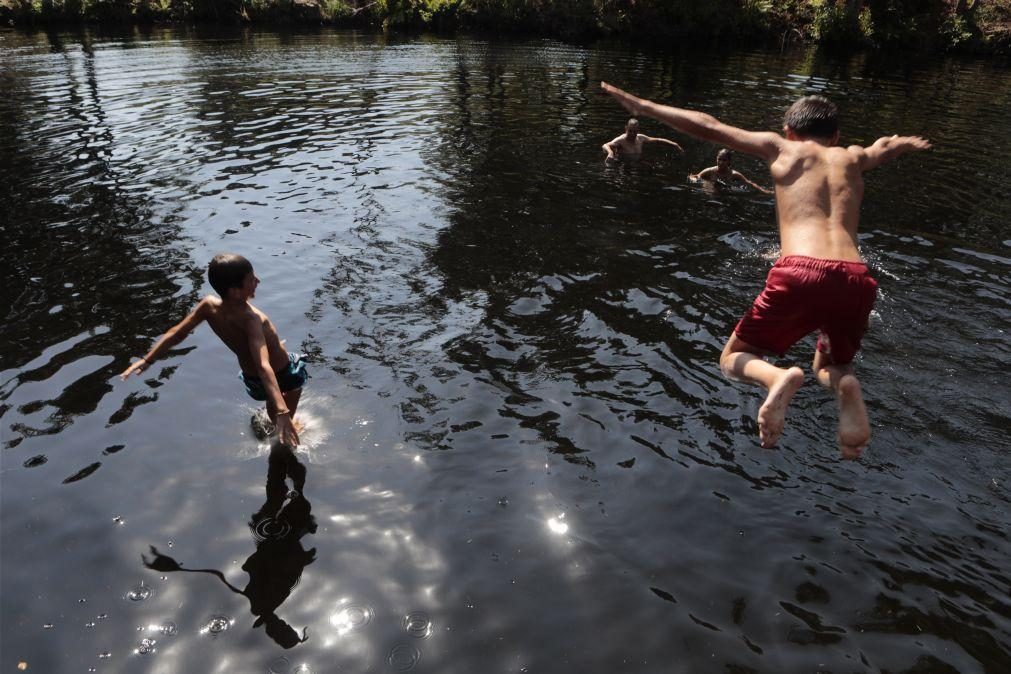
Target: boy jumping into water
(268, 371)
(725, 173)
(629, 144)
(819, 282)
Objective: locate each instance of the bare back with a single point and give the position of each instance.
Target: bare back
(233, 324)
(818, 194)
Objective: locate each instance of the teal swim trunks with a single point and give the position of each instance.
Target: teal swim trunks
(289, 378)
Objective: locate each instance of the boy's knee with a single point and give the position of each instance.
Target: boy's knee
(727, 363)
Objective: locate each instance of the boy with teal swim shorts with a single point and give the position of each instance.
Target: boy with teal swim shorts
(268, 371)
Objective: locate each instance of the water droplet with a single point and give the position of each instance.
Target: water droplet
(104, 656)
(418, 624)
(81, 600)
(118, 519)
(302, 669)
(170, 544)
(216, 625)
(139, 593)
(351, 618)
(168, 628)
(47, 626)
(504, 502)
(89, 625)
(403, 657)
(103, 616)
(145, 647)
(271, 529)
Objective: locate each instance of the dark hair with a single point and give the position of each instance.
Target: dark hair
(228, 270)
(813, 116)
(725, 152)
(632, 122)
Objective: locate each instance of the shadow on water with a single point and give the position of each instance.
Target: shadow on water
(276, 565)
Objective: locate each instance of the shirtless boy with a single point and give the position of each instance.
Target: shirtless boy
(725, 173)
(820, 281)
(267, 370)
(629, 144)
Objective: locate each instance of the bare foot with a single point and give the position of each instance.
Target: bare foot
(854, 429)
(772, 414)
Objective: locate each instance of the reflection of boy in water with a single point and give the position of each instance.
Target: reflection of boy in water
(268, 371)
(820, 282)
(724, 173)
(276, 565)
(629, 144)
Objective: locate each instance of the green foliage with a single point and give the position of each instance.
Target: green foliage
(835, 24)
(920, 23)
(334, 10)
(415, 12)
(955, 31)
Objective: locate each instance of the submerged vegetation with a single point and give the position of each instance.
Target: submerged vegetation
(930, 24)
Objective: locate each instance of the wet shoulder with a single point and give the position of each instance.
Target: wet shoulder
(258, 317)
(841, 157)
(209, 306)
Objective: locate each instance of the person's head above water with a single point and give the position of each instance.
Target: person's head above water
(632, 128)
(813, 117)
(724, 158)
(228, 271)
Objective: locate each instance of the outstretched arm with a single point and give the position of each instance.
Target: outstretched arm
(705, 174)
(611, 149)
(888, 148)
(740, 176)
(170, 339)
(664, 141)
(764, 144)
(275, 401)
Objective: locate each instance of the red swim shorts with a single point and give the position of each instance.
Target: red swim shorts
(804, 294)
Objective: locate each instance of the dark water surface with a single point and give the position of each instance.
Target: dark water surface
(520, 453)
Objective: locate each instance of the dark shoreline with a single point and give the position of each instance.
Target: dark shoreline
(725, 22)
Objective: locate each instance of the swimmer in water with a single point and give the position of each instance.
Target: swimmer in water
(724, 174)
(269, 372)
(820, 282)
(629, 144)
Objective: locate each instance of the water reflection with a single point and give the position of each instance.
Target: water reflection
(276, 565)
(506, 330)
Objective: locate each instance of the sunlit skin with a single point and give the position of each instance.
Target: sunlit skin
(819, 188)
(251, 336)
(629, 144)
(724, 172)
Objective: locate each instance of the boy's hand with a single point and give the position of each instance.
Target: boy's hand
(136, 368)
(286, 431)
(918, 143)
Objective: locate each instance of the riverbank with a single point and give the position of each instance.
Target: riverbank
(929, 25)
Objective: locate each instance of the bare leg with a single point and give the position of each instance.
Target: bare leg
(291, 399)
(743, 362)
(854, 428)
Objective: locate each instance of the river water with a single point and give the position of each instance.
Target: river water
(520, 455)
